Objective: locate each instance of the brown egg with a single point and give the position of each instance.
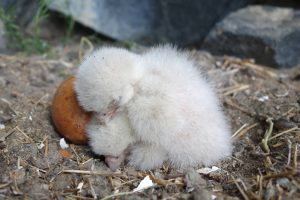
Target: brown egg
(68, 117)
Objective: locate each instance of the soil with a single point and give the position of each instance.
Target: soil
(256, 100)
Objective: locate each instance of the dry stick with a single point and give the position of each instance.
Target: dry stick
(237, 159)
(246, 130)
(82, 41)
(125, 183)
(87, 172)
(284, 132)
(15, 186)
(9, 105)
(24, 162)
(279, 192)
(5, 184)
(41, 99)
(29, 138)
(295, 156)
(92, 189)
(229, 102)
(45, 140)
(240, 189)
(77, 197)
(290, 152)
(236, 89)
(7, 134)
(281, 174)
(78, 158)
(239, 130)
(117, 195)
(296, 184)
(267, 136)
(261, 69)
(46, 147)
(288, 112)
(260, 193)
(83, 163)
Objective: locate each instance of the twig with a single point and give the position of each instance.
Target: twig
(117, 195)
(41, 99)
(237, 159)
(5, 184)
(260, 182)
(125, 183)
(246, 130)
(240, 189)
(7, 134)
(267, 136)
(281, 174)
(239, 130)
(288, 112)
(235, 89)
(46, 147)
(92, 189)
(87, 172)
(261, 69)
(284, 132)
(295, 156)
(29, 138)
(78, 158)
(9, 105)
(290, 152)
(84, 40)
(15, 187)
(230, 103)
(83, 163)
(77, 197)
(24, 162)
(296, 184)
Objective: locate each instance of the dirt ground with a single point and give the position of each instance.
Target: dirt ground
(262, 105)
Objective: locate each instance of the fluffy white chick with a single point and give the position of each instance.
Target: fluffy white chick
(175, 113)
(110, 139)
(172, 111)
(107, 76)
(103, 84)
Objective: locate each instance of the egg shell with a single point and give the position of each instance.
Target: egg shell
(68, 117)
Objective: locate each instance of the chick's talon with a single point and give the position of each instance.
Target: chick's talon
(114, 162)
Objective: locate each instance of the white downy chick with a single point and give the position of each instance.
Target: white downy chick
(110, 139)
(172, 112)
(176, 114)
(103, 81)
(107, 76)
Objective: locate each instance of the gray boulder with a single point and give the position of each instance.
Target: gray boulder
(270, 35)
(149, 21)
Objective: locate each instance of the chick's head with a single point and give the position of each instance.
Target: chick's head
(105, 79)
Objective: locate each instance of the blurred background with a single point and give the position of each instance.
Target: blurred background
(266, 30)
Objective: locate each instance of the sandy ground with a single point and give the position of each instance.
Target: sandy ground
(257, 100)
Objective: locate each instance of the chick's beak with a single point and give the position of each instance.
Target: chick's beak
(111, 112)
(104, 117)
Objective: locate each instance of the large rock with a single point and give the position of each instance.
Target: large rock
(271, 35)
(149, 21)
